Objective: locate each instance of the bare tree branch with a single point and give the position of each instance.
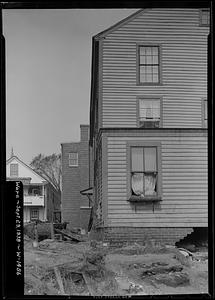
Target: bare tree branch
(49, 167)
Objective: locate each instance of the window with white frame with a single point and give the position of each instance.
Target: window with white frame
(73, 159)
(204, 17)
(144, 171)
(34, 214)
(14, 168)
(149, 113)
(148, 64)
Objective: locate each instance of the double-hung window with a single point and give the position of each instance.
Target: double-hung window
(14, 170)
(34, 214)
(149, 113)
(73, 159)
(148, 65)
(144, 171)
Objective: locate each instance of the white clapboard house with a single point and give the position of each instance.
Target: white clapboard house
(41, 200)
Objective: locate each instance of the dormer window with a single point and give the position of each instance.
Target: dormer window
(149, 113)
(14, 170)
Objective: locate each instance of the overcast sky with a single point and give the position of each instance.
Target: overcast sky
(48, 69)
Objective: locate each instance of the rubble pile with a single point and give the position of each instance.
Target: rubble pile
(74, 265)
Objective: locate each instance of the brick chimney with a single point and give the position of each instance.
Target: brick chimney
(84, 133)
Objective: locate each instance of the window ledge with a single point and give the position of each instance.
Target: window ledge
(144, 199)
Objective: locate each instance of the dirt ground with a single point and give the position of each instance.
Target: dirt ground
(84, 268)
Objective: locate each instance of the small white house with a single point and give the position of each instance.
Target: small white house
(41, 200)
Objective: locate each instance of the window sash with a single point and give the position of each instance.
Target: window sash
(144, 171)
(14, 170)
(205, 17)
(34, 214)
(144, 159)
(73, 159)
(148, 64)
(149, 109)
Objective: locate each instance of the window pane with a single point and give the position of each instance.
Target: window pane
(205, 17)
(149, 109)
(155, 59)
(137, 158)
(137, 184)
(34, 214)
(142, 59)
(150, 159)
(155, 69)
(148, 51)
(155, 51)
(73, 155)
(73, 159)
(149, 112)
(156, 109)
(150, 184)
(145, 109)
(142, 77)
(142, 73)
(149, 59)
(155, 78)
(14, 170)
(149, 69)
(142, 50)
(149, 77)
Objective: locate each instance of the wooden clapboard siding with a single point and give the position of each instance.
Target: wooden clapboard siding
(184, 181)
(183, 68)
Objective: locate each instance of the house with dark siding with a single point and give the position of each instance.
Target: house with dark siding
(148, 125)
(75, 178)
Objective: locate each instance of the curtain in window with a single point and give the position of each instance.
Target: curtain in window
(137, 184)
(149, 109)
(150, 185)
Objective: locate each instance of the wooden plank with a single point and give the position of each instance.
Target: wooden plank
(59, 280)
(70, 235)
(88, 283)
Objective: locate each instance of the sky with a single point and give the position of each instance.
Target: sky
(48, 70)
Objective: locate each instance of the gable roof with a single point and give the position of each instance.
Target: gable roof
(124, 21)
(95, 47)
(25, 165)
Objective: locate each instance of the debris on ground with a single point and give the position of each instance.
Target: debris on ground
(70, 235)
(78, 266)
(174, 280)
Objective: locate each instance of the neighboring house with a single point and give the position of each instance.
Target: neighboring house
(75, 178)
(41, 201)
(148, 125)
